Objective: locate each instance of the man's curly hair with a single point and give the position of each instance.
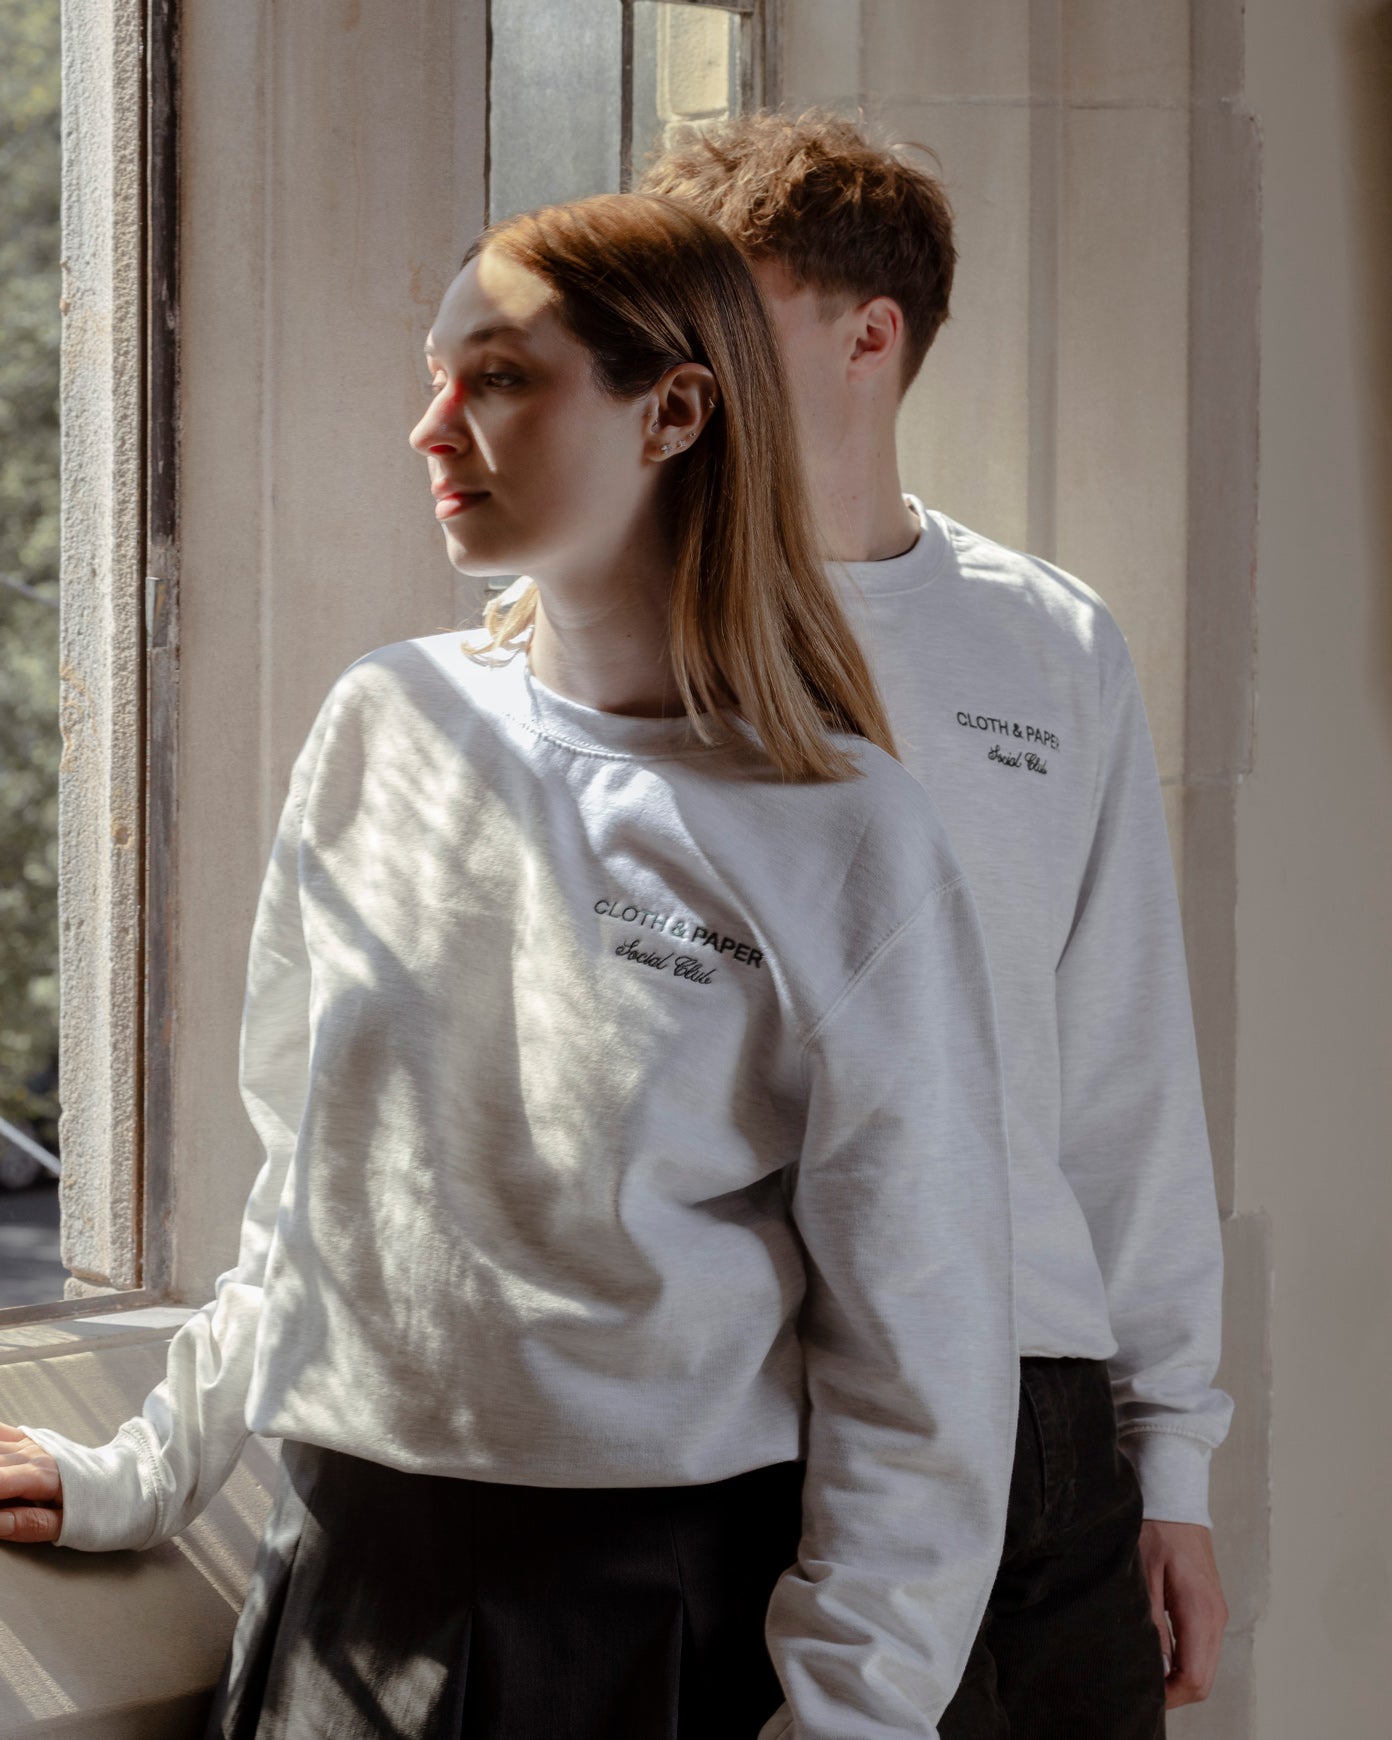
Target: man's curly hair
(842, 214)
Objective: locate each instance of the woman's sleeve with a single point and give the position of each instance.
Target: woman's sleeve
(902, 1202)
(168, 1463)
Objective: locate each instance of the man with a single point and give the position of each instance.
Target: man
(1014, 700)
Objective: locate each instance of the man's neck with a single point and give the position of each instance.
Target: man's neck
(860, 507)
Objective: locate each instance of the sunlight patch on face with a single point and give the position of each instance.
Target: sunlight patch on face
(480, 441)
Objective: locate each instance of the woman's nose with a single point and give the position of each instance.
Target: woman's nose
(443, 428)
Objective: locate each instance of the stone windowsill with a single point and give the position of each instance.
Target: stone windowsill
(116, 1646)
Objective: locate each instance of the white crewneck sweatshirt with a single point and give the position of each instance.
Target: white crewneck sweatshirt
(1014, 700)
(632, 1116)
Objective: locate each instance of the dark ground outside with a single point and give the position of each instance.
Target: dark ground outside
(31, 1270)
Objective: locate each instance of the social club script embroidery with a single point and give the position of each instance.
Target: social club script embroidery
(695, 967)
(1016, 733)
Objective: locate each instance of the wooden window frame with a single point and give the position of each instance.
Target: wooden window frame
(759, 64)
(118, 651)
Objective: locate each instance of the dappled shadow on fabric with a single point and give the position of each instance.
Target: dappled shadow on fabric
(454, 997)
(502, 1137)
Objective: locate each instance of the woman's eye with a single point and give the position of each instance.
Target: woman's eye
(498, 380)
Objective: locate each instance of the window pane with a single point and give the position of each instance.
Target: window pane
(686, 70)
(555, 101)
(30, 744)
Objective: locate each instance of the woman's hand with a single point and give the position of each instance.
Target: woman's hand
(31, 1489)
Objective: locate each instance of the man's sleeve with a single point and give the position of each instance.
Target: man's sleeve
(902, 1203)
(168, 1463)
(1133, 1140)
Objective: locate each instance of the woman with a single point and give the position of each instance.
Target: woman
(629, 1269)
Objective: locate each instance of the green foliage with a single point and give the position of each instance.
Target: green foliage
(30, 744)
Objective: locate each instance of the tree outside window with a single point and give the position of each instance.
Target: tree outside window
(30, 742)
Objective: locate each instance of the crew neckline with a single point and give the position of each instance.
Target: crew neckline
(920, 564)
(594, 730)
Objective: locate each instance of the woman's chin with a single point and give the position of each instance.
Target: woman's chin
(477, 564)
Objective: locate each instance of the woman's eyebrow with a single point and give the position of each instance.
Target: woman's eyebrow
(482, 334)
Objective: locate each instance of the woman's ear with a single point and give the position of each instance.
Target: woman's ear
(678, 409)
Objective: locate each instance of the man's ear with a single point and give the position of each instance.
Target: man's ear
(877, 336)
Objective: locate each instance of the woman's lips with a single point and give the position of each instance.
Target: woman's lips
(449, 505)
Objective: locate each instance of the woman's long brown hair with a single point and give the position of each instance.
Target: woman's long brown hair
(756, 629)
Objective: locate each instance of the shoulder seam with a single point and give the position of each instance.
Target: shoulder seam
(1071, 583)
(865, 966)
(1095, 801)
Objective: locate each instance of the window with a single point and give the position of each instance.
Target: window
(683, 65)
(30, 743)
(115, 652)
(580, 91)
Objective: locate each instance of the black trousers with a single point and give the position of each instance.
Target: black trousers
(1067, 1650)
(391, 1606)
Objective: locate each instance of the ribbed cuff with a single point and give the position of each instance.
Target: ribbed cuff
(1173, 1471)
(105, 1506)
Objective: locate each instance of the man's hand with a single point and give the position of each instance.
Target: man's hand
(1182, 1576)
(31, 1490)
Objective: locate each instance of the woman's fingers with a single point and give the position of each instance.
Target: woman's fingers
(31, 1490)
(28, 1523)
(28, 1472)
